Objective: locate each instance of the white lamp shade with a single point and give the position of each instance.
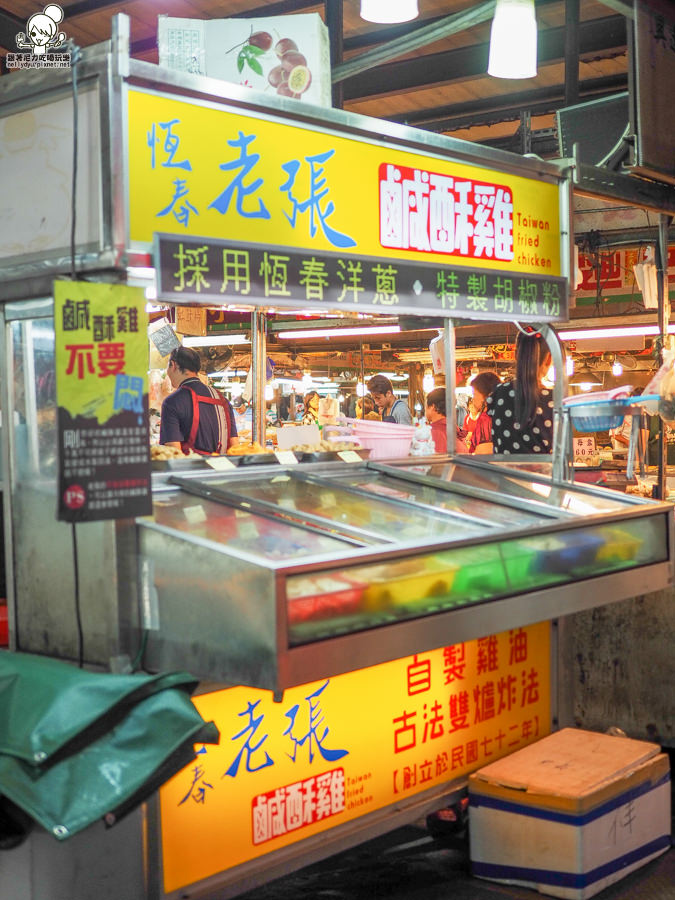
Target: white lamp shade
(388, 12)
(513, 40)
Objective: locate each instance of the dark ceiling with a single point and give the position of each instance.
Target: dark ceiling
(380, 71)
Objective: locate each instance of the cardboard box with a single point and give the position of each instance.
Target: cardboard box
(287, 56)
(191, 320)
(570, 814)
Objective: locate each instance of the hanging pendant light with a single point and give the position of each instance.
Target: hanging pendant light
(388, 12)
(513, 40)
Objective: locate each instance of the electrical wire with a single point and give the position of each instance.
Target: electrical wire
(75, 57)
(78, 611)
(138, 662)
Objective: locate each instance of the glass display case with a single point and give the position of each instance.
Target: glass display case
(282, 575)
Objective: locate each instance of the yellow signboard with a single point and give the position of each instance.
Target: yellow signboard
(337, 749)
(199, 170)
(101, 362)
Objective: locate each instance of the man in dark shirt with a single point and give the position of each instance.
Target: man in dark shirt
(392, 410)
(195, 416)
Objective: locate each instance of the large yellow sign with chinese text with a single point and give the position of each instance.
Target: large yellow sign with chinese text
(337, 749)
(199, 170)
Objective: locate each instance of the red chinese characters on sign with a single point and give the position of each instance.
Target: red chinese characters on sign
(297, 805)
(109, 359)
(432, 213)
(505, 702)
(612, 272)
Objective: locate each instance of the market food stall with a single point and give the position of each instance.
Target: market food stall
(438, 578)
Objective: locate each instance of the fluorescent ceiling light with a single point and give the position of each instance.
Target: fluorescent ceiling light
(513, 40)
(212, 341)
(338, 332)
(592, 334)
(146, 272)
(423, 356)
(387, 12)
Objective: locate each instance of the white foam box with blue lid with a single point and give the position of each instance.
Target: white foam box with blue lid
(570, 814)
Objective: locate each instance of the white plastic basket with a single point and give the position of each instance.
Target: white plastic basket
(385, 440)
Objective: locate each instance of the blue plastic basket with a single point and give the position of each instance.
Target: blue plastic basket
(599, 415)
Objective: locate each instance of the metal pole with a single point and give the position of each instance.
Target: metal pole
(561, 456)
(363, 378)
(450, 384)
(664, 320)
(258, 367)
(571, 52)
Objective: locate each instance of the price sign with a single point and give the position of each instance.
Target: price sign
(584, 447)
(221, 463)
(286, 457)
(195, 514)
(349, 456)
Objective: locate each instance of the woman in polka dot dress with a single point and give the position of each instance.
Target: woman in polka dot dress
(522, 409)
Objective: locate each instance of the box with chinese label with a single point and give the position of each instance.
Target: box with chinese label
(284, 56)
(570, 814)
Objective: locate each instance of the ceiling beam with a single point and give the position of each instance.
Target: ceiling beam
(625, 7)
(507, 107)
(595, 36)
(397, 41)
(10, 26)
(273, 9)
(415, 38)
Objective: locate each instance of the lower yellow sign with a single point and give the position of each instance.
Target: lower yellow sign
(337, 749)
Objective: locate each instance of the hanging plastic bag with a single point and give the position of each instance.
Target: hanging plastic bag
(663, 386)
(646, 277)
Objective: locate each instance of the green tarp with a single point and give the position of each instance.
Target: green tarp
(77, 746)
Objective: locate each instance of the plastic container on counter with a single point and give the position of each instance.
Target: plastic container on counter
(322, 596)
(619, 545)
(480, 573)
(4, 626)
(566, 554)
(385, 440)
(408, 583)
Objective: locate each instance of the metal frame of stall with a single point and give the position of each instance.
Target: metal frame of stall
(25, 293)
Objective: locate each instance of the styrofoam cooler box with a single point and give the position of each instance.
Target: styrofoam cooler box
(570, 814)
(287, 56)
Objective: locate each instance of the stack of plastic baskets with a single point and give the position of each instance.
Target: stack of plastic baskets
(385, 440)
(600, 410)
(599, 415)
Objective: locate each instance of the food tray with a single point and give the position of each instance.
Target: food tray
(253, 459)
(570, 553)
(328, 455)
(390, 587)
(321, 597)
(178, 464)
